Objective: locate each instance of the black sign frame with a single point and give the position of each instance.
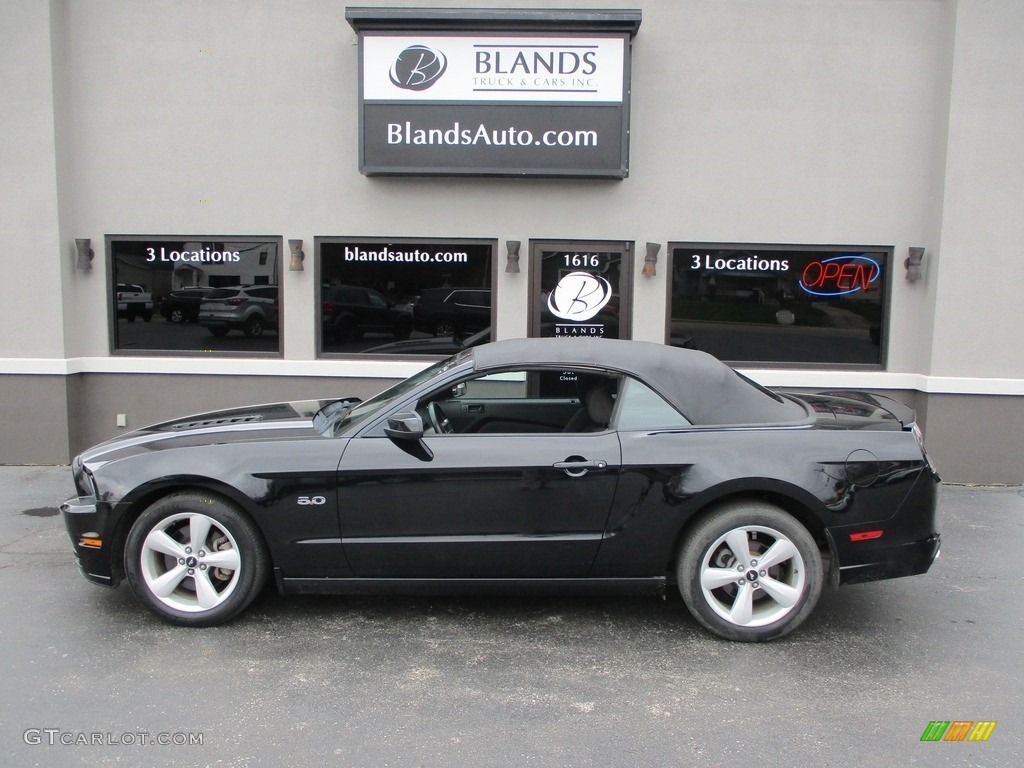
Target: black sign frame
(459, 138)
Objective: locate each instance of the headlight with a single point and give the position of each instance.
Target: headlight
(85, 483)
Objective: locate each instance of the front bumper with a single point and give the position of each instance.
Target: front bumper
(85, 520)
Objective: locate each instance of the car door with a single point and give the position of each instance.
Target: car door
(477, 505)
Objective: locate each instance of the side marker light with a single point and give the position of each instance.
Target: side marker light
(866, 535)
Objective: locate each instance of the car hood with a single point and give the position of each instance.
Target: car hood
(442, 346)
(257, 423)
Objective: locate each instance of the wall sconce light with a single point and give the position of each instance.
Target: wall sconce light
(651, 260)
(85, 254)
(913, 264)
(512, 260)
(295, 265)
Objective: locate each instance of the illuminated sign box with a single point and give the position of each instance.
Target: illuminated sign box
(513, 93)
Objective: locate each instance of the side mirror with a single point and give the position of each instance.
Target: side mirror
(406, 431)
(407, 425)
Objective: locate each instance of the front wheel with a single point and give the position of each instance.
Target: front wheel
(750, 572)
(444, 328)
(253, 327)
(195, 560)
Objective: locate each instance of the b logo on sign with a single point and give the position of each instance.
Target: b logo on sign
(579, 296)
(418, 67)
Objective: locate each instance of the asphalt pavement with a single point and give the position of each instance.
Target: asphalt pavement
(91, 679)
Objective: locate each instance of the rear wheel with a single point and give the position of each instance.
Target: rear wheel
(195, 559)
(749, 571)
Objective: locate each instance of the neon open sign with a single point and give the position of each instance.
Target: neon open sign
(840, 275)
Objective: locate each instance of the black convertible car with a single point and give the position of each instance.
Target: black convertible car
(525, 466)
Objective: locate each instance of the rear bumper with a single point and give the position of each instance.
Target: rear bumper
(905, 544)
(908, 559)
(85, 521)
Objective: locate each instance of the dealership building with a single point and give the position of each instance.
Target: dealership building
(209, 203)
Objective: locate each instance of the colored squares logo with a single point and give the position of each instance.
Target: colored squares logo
(958, 730)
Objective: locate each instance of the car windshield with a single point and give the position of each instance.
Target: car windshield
(364, 410)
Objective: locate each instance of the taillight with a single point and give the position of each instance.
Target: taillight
(916, 430)
(235, 301)
(329, 307)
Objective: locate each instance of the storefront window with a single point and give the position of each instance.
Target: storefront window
(195, 294)
(780, 304)
(581, 288)
(404, 297)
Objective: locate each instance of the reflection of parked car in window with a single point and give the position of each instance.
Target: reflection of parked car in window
(350, 311)
(446, 311)
(134, 301)
(249, 308)
(183, 305)
(436, 345)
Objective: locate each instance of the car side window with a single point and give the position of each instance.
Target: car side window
(495, 386)
(640, 407)
(525, 401)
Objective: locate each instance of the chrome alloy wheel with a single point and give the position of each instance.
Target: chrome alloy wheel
(752, 576)
(190, 562)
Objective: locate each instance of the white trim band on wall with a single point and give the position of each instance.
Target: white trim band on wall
(398, 369)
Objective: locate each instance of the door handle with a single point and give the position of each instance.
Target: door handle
(575, 467)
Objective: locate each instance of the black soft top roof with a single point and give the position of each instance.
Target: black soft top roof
(702, 388)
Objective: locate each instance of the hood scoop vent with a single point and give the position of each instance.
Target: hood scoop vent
(219, 422)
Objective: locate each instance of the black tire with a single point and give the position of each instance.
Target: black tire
(176, 315)
(147, 316)
(402, 329)
(346, 330)
(253, 327)
(772, 600)
(197, 583)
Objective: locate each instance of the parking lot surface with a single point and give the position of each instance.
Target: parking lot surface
(92, 679)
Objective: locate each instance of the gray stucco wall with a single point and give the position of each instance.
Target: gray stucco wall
(893, 123)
